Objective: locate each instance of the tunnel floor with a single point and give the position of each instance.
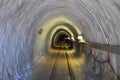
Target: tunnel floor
(64, 66)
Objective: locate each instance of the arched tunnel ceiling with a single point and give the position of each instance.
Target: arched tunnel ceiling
(88, 19)
(97, 20)
(69, 28)
(21, 20)
(57, 35)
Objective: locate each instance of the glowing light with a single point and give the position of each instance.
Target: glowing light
(80, 37)
(68, 38)
(73, 38)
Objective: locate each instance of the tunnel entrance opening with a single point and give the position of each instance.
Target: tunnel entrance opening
(57, 34)
(60, 40)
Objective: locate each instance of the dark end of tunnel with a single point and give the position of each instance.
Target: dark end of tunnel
(60, 40)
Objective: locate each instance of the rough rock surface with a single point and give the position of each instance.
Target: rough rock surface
(98, 20)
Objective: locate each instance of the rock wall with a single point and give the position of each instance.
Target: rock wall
(20, 21)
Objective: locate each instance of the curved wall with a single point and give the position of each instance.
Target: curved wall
(21, 20)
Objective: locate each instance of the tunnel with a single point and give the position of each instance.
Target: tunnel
(59, 40)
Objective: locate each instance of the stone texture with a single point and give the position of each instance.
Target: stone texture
(20, 20)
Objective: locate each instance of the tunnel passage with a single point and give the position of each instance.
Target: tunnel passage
(63, 34)
(61, 39)
(20, 21)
